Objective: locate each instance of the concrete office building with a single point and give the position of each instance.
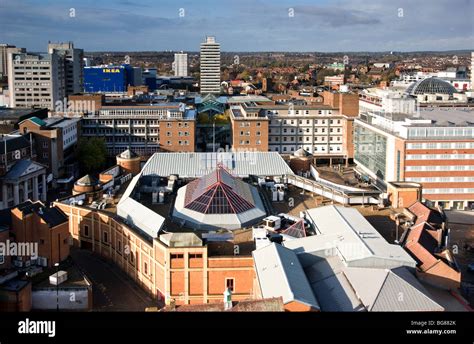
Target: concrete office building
(180, 64)
(73, 65)
(210, 66)
(5, 49)
(392, 100)
(36, 79)
(434, 148)
(145, 129)
(472, 71)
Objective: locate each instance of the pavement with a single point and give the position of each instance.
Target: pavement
(112, 289)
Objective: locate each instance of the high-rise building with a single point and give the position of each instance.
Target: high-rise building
(73, 65)
(36, 79)
(472, 70)
(210, 66)
(4, 50)
(180, 64)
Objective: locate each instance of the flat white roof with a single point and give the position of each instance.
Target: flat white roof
(354, 238)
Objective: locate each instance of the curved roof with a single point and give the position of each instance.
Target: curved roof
(431, 85)
(218, 193)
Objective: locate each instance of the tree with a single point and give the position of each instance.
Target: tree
(92, 154)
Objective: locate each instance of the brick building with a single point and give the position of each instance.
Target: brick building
(434, 148)
(55, 140)
(32, 222)
(173, 266)
(144, 128)
(325, 130)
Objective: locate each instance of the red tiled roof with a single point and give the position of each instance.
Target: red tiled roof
(425, 214)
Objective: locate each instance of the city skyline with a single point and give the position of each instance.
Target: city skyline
(285, 26)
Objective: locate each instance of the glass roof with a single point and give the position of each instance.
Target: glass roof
(431, 85)
(218, 193)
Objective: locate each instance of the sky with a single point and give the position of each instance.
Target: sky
(243, 25)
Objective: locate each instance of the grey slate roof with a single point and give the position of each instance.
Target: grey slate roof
(193, 165)
(13, 143)
(401, 291)
(53, 216)
(23, 167)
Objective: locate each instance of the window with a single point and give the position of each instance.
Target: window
(86, 230)
(42, 241)
(105, 237)
(45, 144)
(168, 125)
(177, 256)
(230, 283)
(195, 255)
(145, 268)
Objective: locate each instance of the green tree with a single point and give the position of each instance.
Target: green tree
(92, 154)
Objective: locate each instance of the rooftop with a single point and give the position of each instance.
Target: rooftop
(194, 165)
(280, 273)
(431, 85)
(53, 216)
(352, 236)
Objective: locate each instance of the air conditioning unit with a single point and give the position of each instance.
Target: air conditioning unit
(42, 261)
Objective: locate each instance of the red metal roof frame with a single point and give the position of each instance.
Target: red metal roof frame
(236, 202)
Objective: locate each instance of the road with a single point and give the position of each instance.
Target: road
(112, 289)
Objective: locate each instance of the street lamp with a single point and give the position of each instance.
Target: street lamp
(57, 286)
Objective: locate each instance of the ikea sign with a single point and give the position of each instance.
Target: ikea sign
(111, 70)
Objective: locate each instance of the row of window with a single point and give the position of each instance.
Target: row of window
(448, 191)
(440, 156)
(304, 130)
(441, 145)
(441, 132)
(247, 142)
(230, 282)
(307, 121)
(247, 124)
(440, 179)
(316, 148)
(441, 168)
(306, 139)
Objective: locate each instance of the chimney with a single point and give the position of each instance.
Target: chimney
(227, 299)
(172, 305)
